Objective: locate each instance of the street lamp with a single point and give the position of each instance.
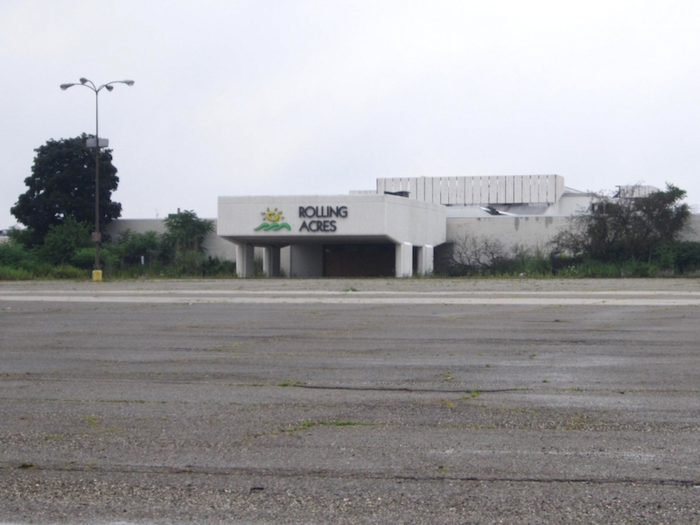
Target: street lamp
(97, 235)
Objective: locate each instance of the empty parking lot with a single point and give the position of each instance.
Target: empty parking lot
(350, 401)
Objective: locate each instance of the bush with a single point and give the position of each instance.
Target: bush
(14, 255)
(85, 258)
(687, 256)
(471, 255)
(215, 267)
(132, 246)
(486, 256)
(63, 241)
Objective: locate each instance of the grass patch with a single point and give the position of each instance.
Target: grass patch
(91, 420)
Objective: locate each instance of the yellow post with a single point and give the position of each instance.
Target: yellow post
(97, 275)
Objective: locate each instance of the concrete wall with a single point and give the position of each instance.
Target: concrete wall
(692, 230)
(535, 231)
(527, 231)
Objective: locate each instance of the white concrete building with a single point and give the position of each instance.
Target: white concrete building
(397, 229)
(336, 235)
(394, 229)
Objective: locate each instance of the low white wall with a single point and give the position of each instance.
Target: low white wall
(529, 231)
(526, 231)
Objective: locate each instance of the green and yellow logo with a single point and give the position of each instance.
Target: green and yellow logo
(271, 221)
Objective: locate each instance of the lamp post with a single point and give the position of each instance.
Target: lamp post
(97, 235)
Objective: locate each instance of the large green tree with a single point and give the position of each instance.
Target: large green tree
(62, 185)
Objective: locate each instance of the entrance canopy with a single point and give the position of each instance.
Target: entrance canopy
(300, 221)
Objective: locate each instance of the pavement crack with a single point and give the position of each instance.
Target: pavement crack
(332, 473)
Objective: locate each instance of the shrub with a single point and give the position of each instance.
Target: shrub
(85, 258)
(471, 255)
(687, 256)
(215, 267)
(63, 241)
(132, 246)
(14, 255)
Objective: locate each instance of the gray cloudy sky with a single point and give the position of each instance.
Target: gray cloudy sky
(305, 97)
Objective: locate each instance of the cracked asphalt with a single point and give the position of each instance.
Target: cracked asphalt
(350, 401)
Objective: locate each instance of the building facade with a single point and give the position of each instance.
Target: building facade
(393, 230)
(403, 227)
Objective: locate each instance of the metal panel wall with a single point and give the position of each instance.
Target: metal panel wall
(501, 189)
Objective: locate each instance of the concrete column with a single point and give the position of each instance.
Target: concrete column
(306, 260)
(244, 261)
(425, 259)
(271, 261)
(404, 259)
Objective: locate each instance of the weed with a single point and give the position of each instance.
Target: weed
(290, 382)
(51, 437)
(90, 420)
(304, 425)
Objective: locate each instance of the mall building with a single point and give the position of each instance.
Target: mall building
(395, 230)
(404, 227)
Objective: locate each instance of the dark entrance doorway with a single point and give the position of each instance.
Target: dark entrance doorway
(359, 260)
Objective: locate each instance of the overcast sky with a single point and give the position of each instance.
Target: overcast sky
(322, 97)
